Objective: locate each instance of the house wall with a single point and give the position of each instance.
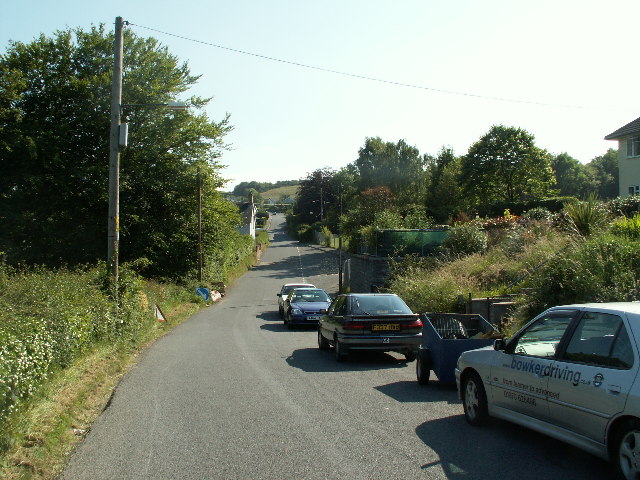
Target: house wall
(628, 168)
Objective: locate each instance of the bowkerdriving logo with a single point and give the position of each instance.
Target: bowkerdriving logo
(531, 366)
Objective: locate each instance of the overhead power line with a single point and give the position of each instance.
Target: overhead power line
(365, 77)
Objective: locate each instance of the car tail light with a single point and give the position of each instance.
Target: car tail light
(355, 325)
(417, 323)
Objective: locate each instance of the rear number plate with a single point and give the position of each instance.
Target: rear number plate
(385, 327)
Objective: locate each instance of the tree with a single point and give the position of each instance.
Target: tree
(444, 195)
(394, 165)
(315, 194)
(571, 176)
(54, 128)
(604, 173)
(505, 165)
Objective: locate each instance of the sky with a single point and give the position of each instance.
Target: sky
(305, 83)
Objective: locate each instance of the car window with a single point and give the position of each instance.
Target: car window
(341, 307)
(542, 337)
(601, 339)
(379, 305)
(334, 305)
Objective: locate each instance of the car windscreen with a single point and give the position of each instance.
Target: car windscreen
(379, 305)
(310, 296)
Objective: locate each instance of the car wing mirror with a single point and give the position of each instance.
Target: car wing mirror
(500, 345)
(278, 294)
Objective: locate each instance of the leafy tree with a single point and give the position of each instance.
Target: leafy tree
(54, 128)
(394, 165)
(604, 174)
(571, 176)
(316, 189)
(505, 165)
(445, 197)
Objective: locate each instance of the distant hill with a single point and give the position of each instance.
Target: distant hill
(276, 193)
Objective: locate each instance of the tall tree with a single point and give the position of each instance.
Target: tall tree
(605, 174)
(444, 195)
(54, 128)
(315, 195)
(571, 176)
(506, 165)
(398, 166)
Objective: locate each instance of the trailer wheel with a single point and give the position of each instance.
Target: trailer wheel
(423, 368)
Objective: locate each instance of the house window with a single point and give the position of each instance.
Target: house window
(634, 190)
(633, 146)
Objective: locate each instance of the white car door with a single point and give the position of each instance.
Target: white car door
(519, 374)
(590, 381)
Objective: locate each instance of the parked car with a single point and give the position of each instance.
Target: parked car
(370, 321)
(284, 291)
(570, 373)
(302, 306)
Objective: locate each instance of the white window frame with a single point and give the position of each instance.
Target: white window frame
(633, 146)
(634, 189)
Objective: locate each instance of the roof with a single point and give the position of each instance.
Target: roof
(626, 307)
(628, 129)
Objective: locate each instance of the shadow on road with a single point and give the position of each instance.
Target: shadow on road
(316, 360)
(412, 392)
(504, 450)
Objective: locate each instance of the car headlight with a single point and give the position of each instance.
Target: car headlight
(296, 311)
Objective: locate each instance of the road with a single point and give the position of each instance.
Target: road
(233, 394)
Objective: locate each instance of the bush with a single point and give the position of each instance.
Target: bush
(627, 227)
(626, 206)
(603, 268)
(586, 217)
(464, 239)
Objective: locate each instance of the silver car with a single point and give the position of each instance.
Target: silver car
(570, 373)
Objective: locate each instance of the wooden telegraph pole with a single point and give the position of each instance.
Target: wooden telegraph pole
(114, 155)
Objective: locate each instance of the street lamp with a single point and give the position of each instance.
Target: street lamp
(117, 138)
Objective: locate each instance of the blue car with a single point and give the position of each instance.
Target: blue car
(302, 306)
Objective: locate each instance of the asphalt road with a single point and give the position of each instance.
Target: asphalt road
(233, 394)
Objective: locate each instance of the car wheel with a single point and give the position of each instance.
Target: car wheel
(474, 400)
(323, 344)
(410, 356)
(626, 455)
(423, 369)
(288, 322)
(340, 350)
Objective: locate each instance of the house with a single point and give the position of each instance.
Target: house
(248, 211)
(628, 138)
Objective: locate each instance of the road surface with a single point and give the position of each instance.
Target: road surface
(233, 394)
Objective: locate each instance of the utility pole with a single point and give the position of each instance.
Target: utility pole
(199, 229)
(340, 242)
(114, 155)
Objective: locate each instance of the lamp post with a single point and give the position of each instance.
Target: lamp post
(117, 138)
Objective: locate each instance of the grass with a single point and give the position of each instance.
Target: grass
(276, 193)
(48, 426)
(57, 417)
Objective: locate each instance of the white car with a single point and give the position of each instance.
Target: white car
(284, 291)
(570, 373)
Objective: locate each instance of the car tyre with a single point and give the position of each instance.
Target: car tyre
(474, 400)
(423, 369)
(626, 453)
(323, 344)
(340, 350)
(288, 322)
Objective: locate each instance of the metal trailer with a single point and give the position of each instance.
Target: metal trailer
(444, 337)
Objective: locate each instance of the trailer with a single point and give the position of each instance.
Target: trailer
(444, 337)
